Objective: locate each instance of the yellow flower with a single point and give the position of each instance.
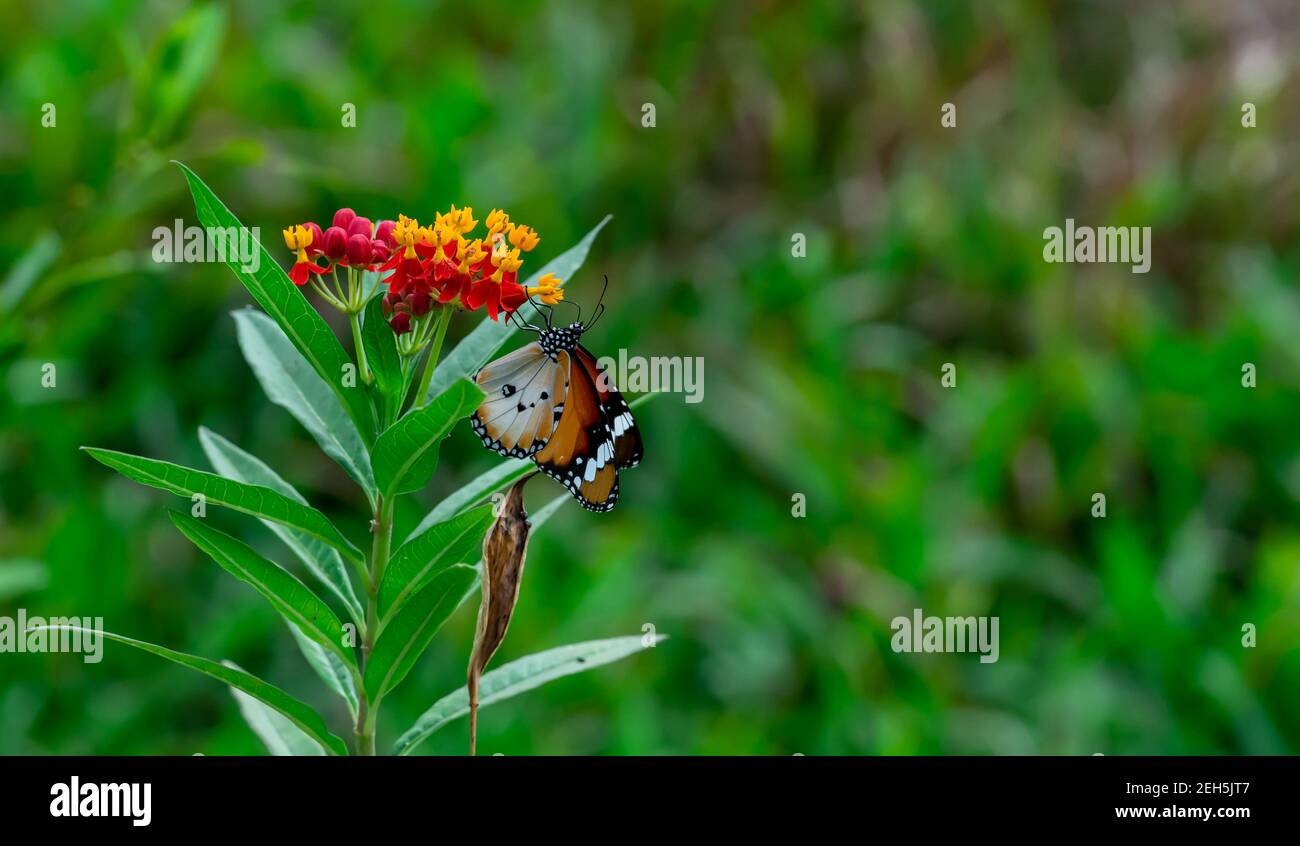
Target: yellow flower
(507, 262)
(548, 289)
(443, 229)
(406, 234)
(523, 237)
(461, 220)
(497, 222)
(298, 238)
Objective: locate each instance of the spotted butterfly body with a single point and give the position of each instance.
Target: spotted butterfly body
(548, 401)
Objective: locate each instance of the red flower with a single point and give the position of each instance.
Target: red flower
(300, 238)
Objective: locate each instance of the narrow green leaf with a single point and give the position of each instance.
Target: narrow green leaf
(319, 557)
(522, 675)
(478, 489)
(280, 298)
(290, 383)
(30, 267)
(405, 637)
(298, 713)
(182, 61)
(406, 455)
(544, 513)
(481, 344)
(416, 562)
(281, 736)
(328, 666)
(370, 280)
(294, 600)
(20, 575)
(250, 499)
(381, 353)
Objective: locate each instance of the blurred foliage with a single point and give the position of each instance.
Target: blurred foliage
(1119, 635)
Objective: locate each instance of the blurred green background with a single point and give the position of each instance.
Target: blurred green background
(1118, 635)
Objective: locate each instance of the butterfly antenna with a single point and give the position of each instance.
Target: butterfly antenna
(600, 303)
(543, 310)
(520, 323)
(576, 305)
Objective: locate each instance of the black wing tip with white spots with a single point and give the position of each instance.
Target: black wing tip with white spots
(573, 484)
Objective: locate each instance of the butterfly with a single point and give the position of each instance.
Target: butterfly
(549, 402)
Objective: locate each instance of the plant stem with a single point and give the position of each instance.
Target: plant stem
(319, 287)
(431, 362)
(383, 531)
(354, 317)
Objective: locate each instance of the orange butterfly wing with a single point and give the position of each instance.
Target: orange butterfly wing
(628, 448)
(580, 452)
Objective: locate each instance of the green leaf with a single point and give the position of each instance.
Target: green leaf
(280, 298)
(519, 676)
(278, 732)
(320, 558)
(406, 455)
(544, 513)
(250, 499)
(24, 273)
(480, 488)
(481, 344)
(405, 637)
(298, 713)
(424, 555)
(19, 576)
(294, 600)
(330, 667)
(290, 383)
(182, 61)
(381, 353)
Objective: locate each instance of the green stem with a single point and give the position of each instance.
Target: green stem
(354, 317)
(319, 287)
(431, 363)
(343, 298)
(383, 531)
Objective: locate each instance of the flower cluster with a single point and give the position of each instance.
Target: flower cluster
(351, 242)
(442, 263)
(425, 268)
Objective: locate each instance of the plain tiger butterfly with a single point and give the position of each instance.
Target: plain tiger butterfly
(549, 402)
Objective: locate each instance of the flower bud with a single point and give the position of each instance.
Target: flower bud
(401, 323)
(379, 250)
(419, 303)
(390, 299)
(336, 243)
(317, 239)
(343, 218)
(384, 232)
(359, 250)
(361, 226)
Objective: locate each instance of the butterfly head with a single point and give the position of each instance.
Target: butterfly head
(561, 338)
